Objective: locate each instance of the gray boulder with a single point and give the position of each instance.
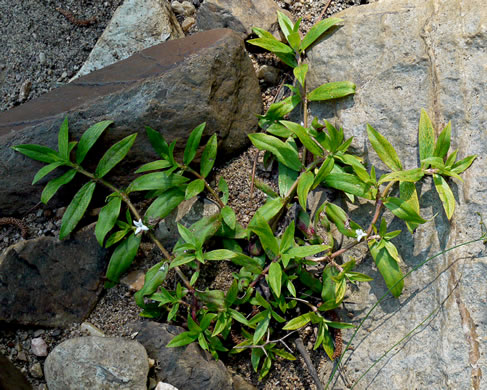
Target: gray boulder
(188, 367)
(135, 25)
(47, 282)
(405, 55)
(97, 363)
(239, 15)
(171, 87)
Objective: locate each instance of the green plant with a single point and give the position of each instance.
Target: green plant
(282, 272)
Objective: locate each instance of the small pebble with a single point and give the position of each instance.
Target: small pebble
(187, 24)
(91, 329)
(39, 347)
(36, 370)
(165, 386)
(38, 332)
(22, 356)
(25, 90)
(189, 8)
(177, 7)
(42, 58)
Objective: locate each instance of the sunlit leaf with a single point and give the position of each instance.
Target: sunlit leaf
(384, 149)
(317, 30)
(334, 90)
(208, 156)
(445, 194)
(426, 136)
(274, 278)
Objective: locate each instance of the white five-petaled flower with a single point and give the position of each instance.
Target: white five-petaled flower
(360, 234)
(140, 226)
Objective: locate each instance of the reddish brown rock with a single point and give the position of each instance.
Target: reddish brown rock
(171, 87)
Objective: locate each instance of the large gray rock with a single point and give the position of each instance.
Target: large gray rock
(135, 25)
(171, 87)
(47, 282)
(97, 363)
(405, 55)
(188, 367)
(239, 15)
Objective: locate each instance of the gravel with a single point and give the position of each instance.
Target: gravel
(40, 49)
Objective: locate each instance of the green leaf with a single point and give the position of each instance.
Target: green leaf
(324, 171)
(162, 206)
(384, 149)
(255, 357)
(304, 137)
(107, 218)
(194, 188)
(154, 166)
(181, 259)
(261, 33)
(317, 30)
(304, 185)
(284, 153)
(265, 188)
(76, 209)
(286, 179)
(294, 40)
(359, 277)
(445, 194)
(182, 339)
(287, 239)
(63, 140)
(38, 152)
(410, 195)
(426, 136)
(401, 209)
(52, 186)
(298, 322)
(89, 138)
(340, 219)
(339, 325)
(328, 345)
(451, 158)
(282, 353)
(443, 143)
(238, 317)
(209, 155)
(46, 170)
(158, 142)
(270, 209)
(114, 155)
(284, 52)
(285, 24)
(391, 248)
(333, 90)
(117, 236)
(154, 277)
(300, 73)
(266, 366)
(262, 229)
(279, 130)
(388, 268)
(308, 250)
(220, 254)
(411, 175)
(229, 217)
(251, 264)
(156, 181)
(274, 278)
(462, 165)
(187, 235)
(261, 328)
(122, 258)
(193, 143)
(347, 183)
(223, 187)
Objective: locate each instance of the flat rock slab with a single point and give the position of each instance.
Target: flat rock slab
(135, 25)
(405, 55)
(97, 363)
(172, 87)
(188, 367)
(47, 282)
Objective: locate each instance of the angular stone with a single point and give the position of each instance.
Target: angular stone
(171, 87)
(39, 346)
(405, 55)
(109, 363)
(188, 367)
(10, 376)
(135, 25)
(239, 15)
(47, 282)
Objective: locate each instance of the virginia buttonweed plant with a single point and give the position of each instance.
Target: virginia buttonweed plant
(284, 281)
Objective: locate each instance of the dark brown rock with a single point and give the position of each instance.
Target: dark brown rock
(47, 282)
(188, 367)
(10, 377)
(171, 87)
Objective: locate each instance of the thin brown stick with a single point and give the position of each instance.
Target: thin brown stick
(15, 222)
(254, 168)
(73, 19)
(311, 368)
(324, 10)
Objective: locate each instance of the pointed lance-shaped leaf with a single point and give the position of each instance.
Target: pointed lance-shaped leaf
(63, 140)
(284, 153)
(166, 202)
(384, 149)
(317, 30)
(193, 143)
(107, 218)
(332, 90)
(285, 24)
(304, 137)
(274, 278)
(122, 258)
(38, 152)
(284, 52)
(52, 186)
(156, 181)
(305, 183)
(158, 142)
(300, 73)
(194, 188)
(388, 268)
(401, 209)
(208, 156)
(154, 166)
(443, 142)
(89, 138)
(426, 136)
(46, 170)
(114, 155)
(445, 194)
(76, 209)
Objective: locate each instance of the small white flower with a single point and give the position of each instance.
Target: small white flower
(140, 226)
(360, 234)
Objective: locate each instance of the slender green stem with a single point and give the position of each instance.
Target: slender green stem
(388, 292)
